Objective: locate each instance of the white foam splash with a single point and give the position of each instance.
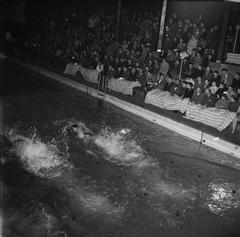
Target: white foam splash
(36, 156)
(120, 148)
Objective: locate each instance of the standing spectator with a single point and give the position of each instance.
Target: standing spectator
(192, 44)
(226, 78)
(164, 67)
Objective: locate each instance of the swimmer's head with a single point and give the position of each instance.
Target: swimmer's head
(74, 126)
(124, 131)
(87, 134)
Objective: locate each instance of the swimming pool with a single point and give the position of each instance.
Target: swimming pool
(148, 182)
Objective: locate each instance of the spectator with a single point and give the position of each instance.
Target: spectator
(175, 87)
(192, 44)
(197, 96)
(164, 67)
(208, 99)
(198, 83)
(208, 73)
(236, 81)
(118, 72)
(168, 84)
(220, 91)
(213, 88)
(110, 72)
(222, 103)
(133, 74)
(230, 92)
(216, 78)
(189, 91)
(226, 78)
(125, 73)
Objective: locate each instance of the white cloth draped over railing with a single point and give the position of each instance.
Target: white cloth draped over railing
(116, 84)
(165, 100)
(122, 85)
(217, 118)
(72, 69)
(88, 74)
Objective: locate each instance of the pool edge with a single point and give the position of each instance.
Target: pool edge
(180, 128)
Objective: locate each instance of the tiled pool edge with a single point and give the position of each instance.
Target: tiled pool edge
(183, 129)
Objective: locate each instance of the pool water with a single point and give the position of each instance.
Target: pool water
(131, 178)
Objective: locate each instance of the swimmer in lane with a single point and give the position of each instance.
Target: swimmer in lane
(82, 131)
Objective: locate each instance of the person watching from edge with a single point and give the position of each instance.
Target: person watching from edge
(222, 103)
(236, 81)
(197, 96)
(226, 78)
(208, 99)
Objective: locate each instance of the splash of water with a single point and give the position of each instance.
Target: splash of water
(120, 148)
(36, 156)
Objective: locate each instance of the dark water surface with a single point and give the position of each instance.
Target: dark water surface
(150, 182)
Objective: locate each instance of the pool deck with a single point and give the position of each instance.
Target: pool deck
(149, 113)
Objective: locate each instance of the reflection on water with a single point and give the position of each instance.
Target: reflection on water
(221, 197)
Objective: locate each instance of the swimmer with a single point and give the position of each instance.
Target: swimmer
(124, 131)
(82, 131)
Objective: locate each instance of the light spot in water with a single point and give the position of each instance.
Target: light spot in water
(220, 198)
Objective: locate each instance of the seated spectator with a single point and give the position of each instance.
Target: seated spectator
(222, 103)
(206, 84)
(208, 99)
(198, 83)
(133, 74)
(213, 88)
(226, 78)
(198, 72)
(164, 67)
(125, 73)
(190, 70)
(220, 91)
(168, 84)
(183, 87)
(197, 96)
(149, 75)
(118, 73)
(234, 105)
(230, 92)
(216, 77)
(208, 73)
(162, 82)
(189, 91)
(175, 87)
(236, 81)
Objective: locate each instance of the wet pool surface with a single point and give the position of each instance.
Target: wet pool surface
(148, 182)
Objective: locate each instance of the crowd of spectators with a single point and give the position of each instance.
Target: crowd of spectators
(135, 58)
